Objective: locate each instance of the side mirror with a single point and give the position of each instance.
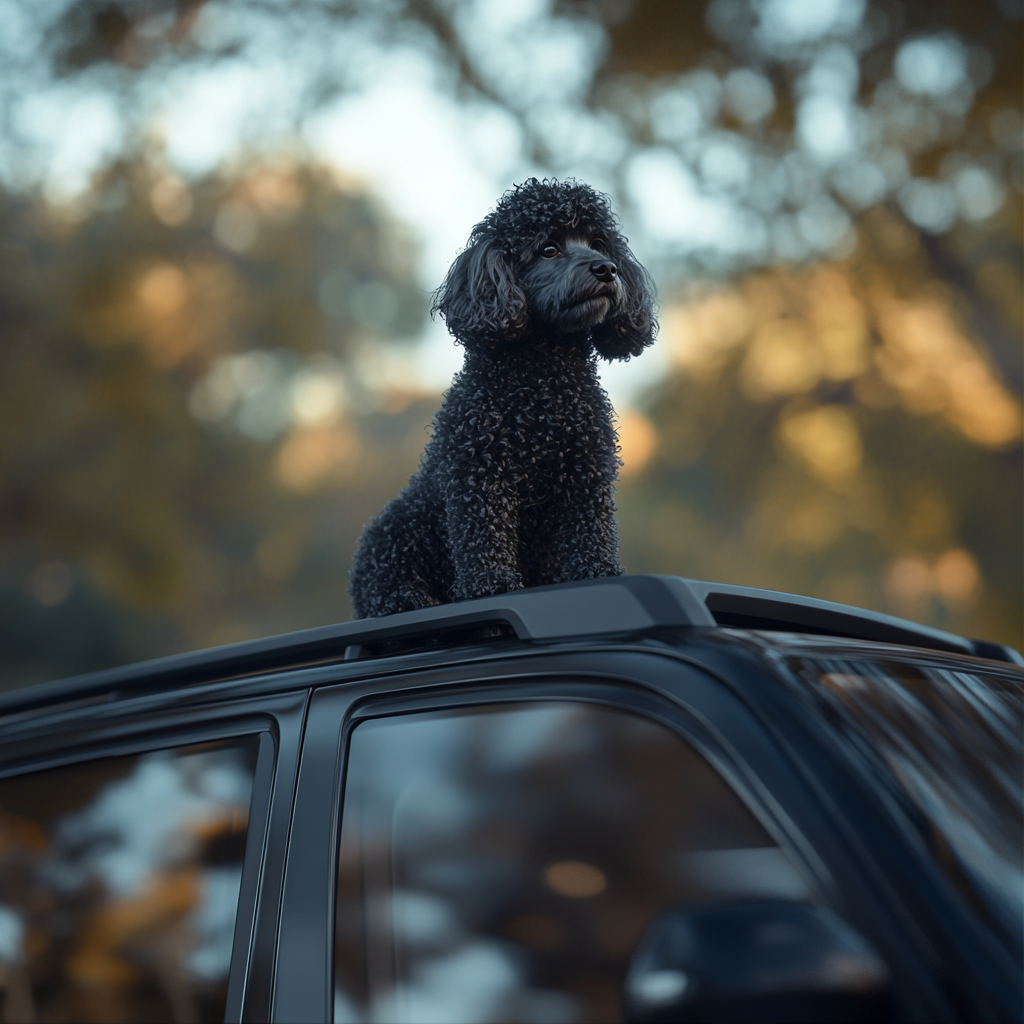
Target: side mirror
(762, 962)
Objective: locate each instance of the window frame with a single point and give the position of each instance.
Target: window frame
(91, 731)
(685, 696)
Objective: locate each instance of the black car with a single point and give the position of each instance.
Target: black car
(644, 796)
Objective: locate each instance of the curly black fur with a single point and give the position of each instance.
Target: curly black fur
(515, 486)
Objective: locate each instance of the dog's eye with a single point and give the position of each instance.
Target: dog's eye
(600, 245)
(549, 250)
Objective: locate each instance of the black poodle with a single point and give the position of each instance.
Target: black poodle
(515, 486)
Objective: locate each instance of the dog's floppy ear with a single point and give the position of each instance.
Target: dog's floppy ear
(633, 326)
(480, 298)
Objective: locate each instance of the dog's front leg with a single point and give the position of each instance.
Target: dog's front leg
(483, 529)
(587, 538)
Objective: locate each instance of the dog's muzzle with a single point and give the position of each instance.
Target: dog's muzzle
(604, 270)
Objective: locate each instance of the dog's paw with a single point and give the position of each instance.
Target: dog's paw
(487, 584)
(591, 571)
(414, 595)
(410, 596)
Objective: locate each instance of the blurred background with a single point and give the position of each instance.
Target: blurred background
(220, 224)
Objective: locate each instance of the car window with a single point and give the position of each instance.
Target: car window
(119, 882)
(946, 742)
(500, 863)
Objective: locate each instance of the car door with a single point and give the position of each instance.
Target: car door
(481, 845)
(135, 839)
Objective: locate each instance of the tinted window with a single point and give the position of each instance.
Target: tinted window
(946, 744)
(119, 883)
(500, 864)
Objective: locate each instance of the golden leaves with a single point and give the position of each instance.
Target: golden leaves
(782, 359)
(313, 456)
(701, 335)
(826, 440)
(936, 369)
(163, 290)
(794, 331)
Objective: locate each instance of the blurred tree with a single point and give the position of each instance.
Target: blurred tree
(180, 383)
(824, 434)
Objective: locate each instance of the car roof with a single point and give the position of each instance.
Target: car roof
(597, 609)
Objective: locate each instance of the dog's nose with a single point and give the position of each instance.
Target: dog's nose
(604, 270)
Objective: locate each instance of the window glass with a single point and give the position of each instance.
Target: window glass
(947, 744)
(500, 864)
(119, 882)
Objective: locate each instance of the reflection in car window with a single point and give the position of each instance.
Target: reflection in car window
(500, 864)
(947, 743)
(119, 882)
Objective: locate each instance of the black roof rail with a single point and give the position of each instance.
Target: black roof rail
(752, 608)
(614, 606)
(602, 607)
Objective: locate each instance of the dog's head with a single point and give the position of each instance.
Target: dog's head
(550, 257)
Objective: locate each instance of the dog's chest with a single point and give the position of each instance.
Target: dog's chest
(551, 425)
(553, 438)
(544, 436)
